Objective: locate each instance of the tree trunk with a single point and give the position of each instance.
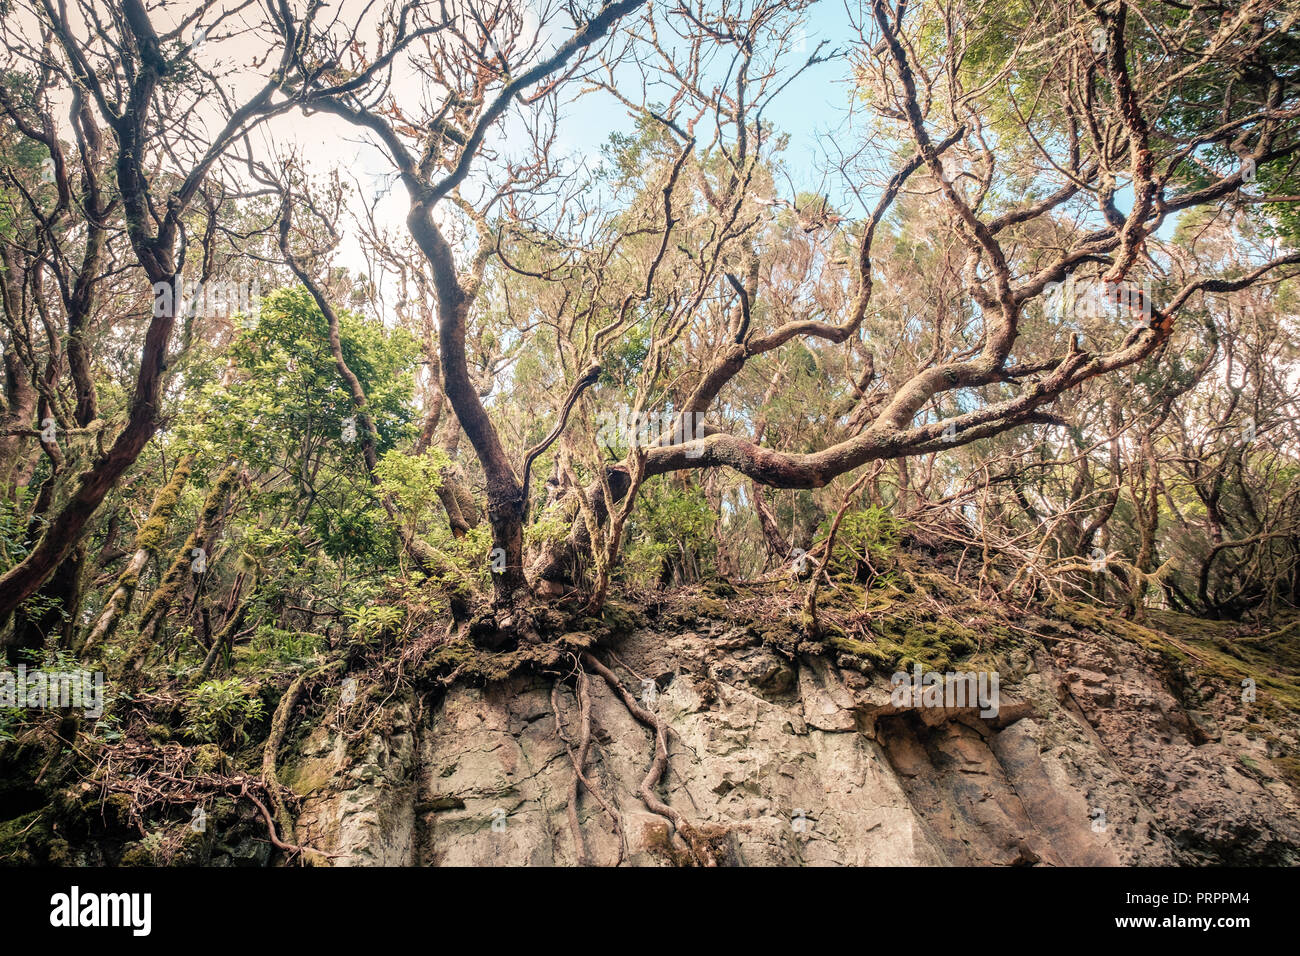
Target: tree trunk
(148, 540)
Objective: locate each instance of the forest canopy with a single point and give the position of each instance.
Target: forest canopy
(1028, 293)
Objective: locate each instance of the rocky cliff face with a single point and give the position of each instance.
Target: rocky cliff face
(1112, 745)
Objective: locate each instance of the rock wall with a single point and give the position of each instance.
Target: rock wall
(1101, 754)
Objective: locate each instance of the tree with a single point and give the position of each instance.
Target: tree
(137, 80)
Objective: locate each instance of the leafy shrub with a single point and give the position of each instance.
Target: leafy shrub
(371, 622)
(866, 539)
(271, 643)
(411, 484)
(220, 711)
(670, 535)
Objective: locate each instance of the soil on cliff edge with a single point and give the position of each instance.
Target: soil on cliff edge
(705, 726)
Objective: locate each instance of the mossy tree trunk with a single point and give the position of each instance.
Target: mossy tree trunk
(148, 542)
(173, 578)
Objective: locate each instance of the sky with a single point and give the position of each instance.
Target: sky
(812, 111)
(813, 105)
(810, 108)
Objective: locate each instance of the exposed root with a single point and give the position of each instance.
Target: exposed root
(810, 600)
(279, 726)
(163, 777)
(578, 757)
(699, 843)
(291, 848)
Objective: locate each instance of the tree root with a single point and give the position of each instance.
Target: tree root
(159, 777)
(811, 627)
(279, 726)
(698, 843)
(578, 757)
(291, 848)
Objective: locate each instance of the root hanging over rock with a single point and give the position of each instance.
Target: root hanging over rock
(694, 846)
(279, 725)
(578, 757)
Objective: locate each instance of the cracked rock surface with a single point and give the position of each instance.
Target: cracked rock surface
(1101, 753)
